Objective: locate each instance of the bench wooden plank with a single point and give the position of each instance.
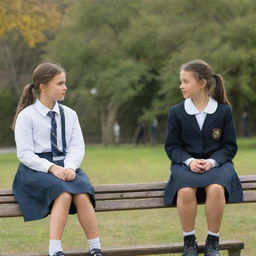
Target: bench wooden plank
(7, 198)
(9, 210)
(147, 249)
(246, 181)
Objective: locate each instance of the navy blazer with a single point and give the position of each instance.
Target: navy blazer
(216, 140)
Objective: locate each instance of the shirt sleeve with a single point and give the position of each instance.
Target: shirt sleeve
(25, 145)
(75, 147)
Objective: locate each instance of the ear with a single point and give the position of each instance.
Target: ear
(202, 83)
(42, 87)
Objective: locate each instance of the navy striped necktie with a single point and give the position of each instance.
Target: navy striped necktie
(53, 135)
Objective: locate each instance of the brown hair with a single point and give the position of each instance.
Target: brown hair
(214, 82)
(42, 74)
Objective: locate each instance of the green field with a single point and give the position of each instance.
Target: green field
(128, 164)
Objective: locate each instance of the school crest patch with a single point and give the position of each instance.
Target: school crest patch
(216, 134)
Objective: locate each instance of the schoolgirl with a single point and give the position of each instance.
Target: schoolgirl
(201, 143)
(50, 147)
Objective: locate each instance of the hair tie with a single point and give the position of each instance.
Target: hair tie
(32, 85)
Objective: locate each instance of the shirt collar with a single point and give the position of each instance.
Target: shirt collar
(43, 109)
(192, 110)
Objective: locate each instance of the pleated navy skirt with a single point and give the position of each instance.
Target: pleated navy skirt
(182, 176)
(35, 191)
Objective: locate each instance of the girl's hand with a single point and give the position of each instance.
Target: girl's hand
(207, 165)
(58, 171)
(70, 174)
(196, 165)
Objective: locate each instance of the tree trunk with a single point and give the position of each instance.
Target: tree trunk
(108, 117)
(10, 68)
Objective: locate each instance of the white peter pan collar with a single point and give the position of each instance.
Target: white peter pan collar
(192, 110)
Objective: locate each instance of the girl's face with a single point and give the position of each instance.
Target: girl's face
(55, 89)
(190, 86)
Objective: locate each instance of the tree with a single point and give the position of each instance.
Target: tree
(31, 18)
(25, 27)
(223, 34)
(90, 46)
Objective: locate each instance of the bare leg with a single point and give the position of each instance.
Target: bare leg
(59, 215)
(86, 215)
(214, 206)
(187, 207)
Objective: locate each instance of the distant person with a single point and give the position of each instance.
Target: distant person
(154, 131)
(50, 147)
(140, 133)
(116, 131)
(201, 143)
(245, 124)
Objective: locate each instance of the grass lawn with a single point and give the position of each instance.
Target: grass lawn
(128, 164)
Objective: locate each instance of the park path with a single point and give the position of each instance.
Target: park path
(7, 150)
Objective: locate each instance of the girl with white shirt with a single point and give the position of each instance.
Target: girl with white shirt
(50, 147)
(201, 143)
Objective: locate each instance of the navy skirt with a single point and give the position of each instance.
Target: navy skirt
(182, 176)
(35, 191)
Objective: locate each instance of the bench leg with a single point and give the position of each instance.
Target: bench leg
(234, 252)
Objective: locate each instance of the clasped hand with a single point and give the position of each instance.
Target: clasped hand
(66, 174)
(200, 165)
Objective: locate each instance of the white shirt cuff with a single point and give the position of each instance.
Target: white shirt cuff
(70, 165)
(187, 162)
(213, 162)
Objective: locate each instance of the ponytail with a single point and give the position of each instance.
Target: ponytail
(42, 74)
(214, 82)
(27, 98)
(219, 92)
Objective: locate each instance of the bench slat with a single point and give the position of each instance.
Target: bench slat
(9, 210)
(147, 249)
(7, 198)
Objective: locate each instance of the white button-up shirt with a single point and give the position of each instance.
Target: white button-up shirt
(32, 135)
(191, 109)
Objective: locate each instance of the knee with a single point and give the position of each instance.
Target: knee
(65, 196)
(215, 189)
(81, 198)
(187, 194)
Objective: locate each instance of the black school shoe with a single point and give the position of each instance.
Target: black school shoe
(212, 246)
(60, 253)
(190, 246)
(95, 252)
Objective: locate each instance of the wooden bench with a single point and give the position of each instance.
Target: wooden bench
(135, 197)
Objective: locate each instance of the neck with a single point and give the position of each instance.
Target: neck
(47, 102)
(201, 102)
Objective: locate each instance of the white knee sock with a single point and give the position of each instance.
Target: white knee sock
(54, 246)
(213, 234)
(189, 233)
(94, 243)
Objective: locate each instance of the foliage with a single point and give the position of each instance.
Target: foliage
(130, 52)
(7, 106)
(31, 18)
(90, 47)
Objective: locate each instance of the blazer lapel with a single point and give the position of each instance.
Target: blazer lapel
(210, 118)
(191, 119)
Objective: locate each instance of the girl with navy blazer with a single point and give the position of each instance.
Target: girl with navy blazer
(50, 148)
(201, 143)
